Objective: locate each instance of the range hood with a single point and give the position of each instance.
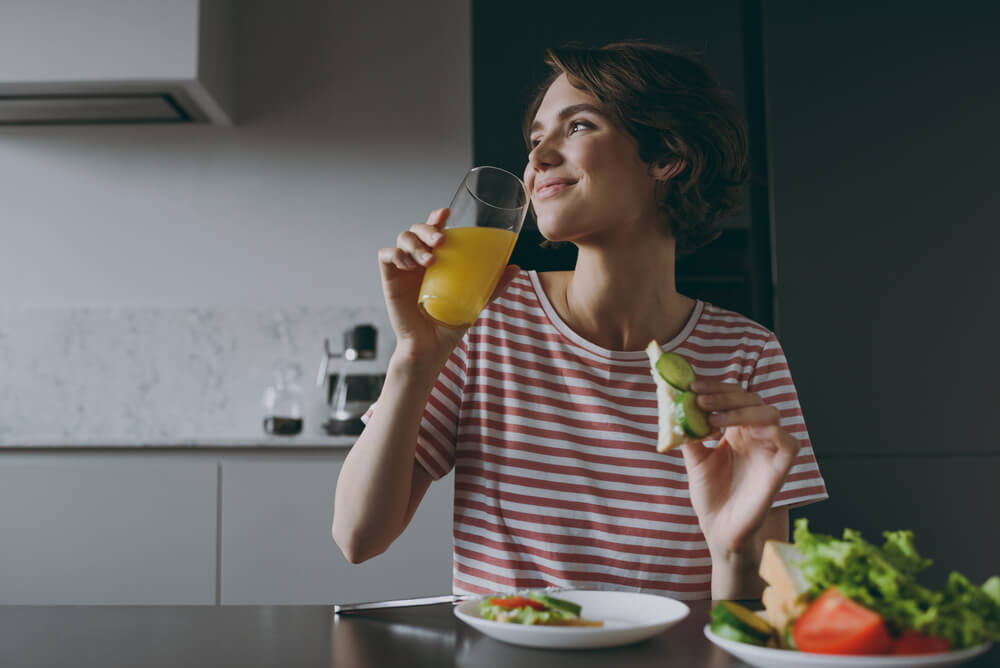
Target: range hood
(116, 61)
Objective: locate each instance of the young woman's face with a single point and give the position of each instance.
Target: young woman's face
(584, 173)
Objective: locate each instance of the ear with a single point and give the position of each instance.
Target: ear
(664, 171)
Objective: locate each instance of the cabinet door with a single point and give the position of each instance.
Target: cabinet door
(277, 548)
(93, 529)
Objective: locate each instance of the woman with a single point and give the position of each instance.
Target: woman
(546, 408)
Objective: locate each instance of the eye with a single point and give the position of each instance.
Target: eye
(576, 126)
(535, 141)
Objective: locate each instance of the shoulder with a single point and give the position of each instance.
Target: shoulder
(718, 320)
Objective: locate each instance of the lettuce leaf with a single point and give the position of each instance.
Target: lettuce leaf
(884, 580)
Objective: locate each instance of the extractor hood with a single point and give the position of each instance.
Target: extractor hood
(116, 61)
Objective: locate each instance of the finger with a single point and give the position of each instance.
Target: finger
(723, 401)
(438, 218)
(694, 453)
(411, 244)
(744, 417)
(397, 258)
(712, 386)
(428, 234)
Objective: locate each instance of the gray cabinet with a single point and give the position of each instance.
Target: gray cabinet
(276, 546)
(198, 528)
(96, 529)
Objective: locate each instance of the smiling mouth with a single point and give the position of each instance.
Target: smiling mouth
(552, 189)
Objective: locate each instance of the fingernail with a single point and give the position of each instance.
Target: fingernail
(425, 257)
(718, 419)
(436, 237)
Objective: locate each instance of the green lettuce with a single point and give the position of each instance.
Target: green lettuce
(884, 579)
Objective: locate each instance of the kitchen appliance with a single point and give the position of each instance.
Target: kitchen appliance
(354, 382)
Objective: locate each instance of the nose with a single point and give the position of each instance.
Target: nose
(544, 155)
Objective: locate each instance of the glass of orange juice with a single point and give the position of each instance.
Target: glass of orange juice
(485, 218)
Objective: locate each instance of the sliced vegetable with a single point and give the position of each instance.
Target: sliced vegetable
(912, 642)
(742, 619)
(729, 632)
(690, 416)
(553, 602)
(517, 602)
(676, 370)
(834, 624)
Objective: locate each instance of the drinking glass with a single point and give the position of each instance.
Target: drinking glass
(486, 216)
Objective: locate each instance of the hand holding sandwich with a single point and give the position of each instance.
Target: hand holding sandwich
(733, 485)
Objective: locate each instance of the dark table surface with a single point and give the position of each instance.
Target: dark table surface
(249, 636)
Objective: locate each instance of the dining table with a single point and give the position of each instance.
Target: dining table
(155, 636)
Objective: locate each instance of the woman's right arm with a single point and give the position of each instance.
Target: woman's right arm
(380, 485)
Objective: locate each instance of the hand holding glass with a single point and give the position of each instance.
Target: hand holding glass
(485, 218)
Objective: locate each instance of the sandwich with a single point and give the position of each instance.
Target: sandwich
(680, 417)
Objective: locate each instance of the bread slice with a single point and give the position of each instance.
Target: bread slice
(671, 434)
(785, 597)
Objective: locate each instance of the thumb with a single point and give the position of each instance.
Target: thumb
(509, 272)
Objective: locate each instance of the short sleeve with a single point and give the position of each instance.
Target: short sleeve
(439, 425)
(772, 381)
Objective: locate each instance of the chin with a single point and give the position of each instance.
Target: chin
(557, 227)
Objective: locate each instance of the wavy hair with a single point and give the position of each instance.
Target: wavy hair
(675, 109)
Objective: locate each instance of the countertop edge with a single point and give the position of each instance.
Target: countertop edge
(276, 444)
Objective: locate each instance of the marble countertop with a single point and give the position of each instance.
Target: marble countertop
(134, 378)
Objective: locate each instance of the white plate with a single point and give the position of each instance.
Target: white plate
(765, 657)
(628, 617)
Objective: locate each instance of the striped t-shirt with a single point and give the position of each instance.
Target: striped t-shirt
(553, 442)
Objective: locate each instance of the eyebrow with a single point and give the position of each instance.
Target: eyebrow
(569, 111)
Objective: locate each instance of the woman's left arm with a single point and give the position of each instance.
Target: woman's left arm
(733, 485)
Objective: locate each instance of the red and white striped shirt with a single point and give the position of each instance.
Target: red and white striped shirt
(553, 442)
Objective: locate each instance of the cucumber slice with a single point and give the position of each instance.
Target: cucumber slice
(742, 619)
(691, 417)
(676, 370)
(732, 633)
(558, 603)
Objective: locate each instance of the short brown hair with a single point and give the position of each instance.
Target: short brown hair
(675, 109)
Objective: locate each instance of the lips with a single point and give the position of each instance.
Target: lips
(552, 187)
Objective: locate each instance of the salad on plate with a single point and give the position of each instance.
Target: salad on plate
(533, 607)
(849, 597)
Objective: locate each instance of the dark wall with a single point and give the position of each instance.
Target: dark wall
(509, 41)
(885, 146)
(882, 199)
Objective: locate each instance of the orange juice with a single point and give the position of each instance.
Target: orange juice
(464, 274)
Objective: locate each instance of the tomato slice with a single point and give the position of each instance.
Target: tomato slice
(914, 642)
(517, 602)
(834, 624)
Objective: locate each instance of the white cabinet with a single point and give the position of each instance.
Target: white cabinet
(97, 529)
(277, 548)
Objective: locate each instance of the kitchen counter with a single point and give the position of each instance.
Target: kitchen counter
(249, 636)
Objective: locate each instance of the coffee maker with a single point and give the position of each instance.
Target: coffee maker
(353, 377)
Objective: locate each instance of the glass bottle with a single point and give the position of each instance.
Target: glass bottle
(283, 401)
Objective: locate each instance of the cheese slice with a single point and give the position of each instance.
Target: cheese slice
(785, 597)
(671, 434)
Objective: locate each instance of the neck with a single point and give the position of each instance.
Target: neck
(622, 299)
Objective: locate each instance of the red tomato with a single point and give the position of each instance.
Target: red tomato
(834, 624)
(913, 642)
(517, 602)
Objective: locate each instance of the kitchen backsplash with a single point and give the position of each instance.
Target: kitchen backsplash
(160, 375)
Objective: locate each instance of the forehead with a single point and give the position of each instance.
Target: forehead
(561, 94)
